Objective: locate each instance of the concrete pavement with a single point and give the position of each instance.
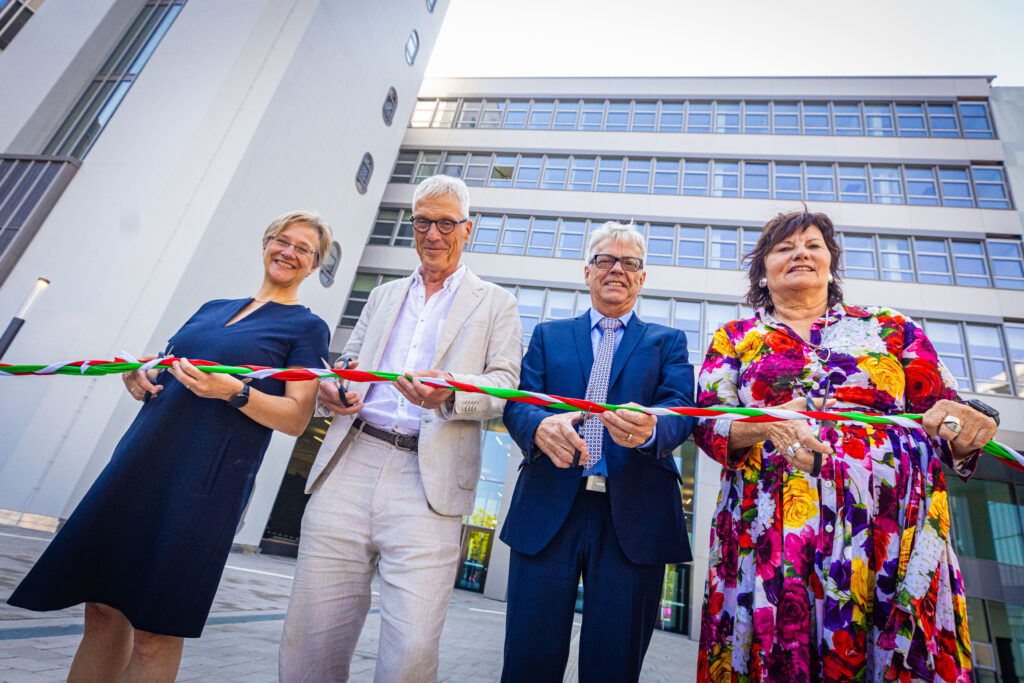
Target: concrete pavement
(241, 637)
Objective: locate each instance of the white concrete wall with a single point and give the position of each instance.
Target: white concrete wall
(248, 108)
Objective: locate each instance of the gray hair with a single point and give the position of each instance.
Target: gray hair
(311, 218)
(623, 234)
(439, 185)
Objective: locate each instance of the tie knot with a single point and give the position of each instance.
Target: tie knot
(609, 324)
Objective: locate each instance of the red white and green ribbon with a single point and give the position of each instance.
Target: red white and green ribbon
(101, 367)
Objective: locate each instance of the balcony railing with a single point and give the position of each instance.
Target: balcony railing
(29, 187)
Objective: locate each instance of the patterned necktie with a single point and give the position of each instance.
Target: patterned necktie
(597, 389)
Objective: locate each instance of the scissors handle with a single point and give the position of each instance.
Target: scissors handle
(341, 387)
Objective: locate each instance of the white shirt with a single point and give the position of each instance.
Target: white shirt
(410, 346)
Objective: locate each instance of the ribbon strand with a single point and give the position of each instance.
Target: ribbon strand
(119, 365)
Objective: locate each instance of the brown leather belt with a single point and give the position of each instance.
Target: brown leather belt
(403, 442)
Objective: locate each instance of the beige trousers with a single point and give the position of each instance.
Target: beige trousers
(369, 515)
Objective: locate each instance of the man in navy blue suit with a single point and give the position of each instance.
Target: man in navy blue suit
(602, 503)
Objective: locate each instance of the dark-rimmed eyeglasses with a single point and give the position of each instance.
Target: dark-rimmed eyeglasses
(630, 264)
(283, 244)
(444, 225)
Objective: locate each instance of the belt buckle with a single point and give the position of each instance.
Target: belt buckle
(402, 439)
(597, 483)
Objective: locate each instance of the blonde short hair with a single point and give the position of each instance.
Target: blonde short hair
(324, 233)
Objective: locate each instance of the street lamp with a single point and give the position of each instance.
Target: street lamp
(19, 319)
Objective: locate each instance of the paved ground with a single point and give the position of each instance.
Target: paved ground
(241, 636)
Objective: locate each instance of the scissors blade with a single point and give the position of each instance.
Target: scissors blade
(579, 431)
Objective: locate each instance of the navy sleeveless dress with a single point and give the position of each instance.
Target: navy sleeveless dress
(152, 534)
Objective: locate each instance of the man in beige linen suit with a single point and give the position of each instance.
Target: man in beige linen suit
(399, 467)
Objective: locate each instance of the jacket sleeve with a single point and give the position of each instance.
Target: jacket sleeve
(521, 419)
(504, 352)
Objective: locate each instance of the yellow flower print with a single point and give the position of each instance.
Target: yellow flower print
(886, 374)
(939, 510)
(799, 502)
(749, 348)
(862, 583)
(722, 344)
(721, 669)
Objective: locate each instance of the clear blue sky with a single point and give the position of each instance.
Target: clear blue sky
(732, 38)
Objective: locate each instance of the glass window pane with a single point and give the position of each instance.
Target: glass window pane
(859, 256)
(1007, 265)
(670, 119)
(988, 360)
(1015, 343)
(454, 164)
(727, 117)
(942, 120)
(933, 261)
(617, 117)
(726, 179)
(895, 259)
(566, 114)
(541, 114)
(853, 186)
(531, 304)
(513, 239)
(885, 185)
(990, 187)
(581, 176)
(878, 119)
(485, 234)
(501, 173)
(528, 172)
(921, 188)
(956, 188)
(570, 238)
(686, 317)
(655, 310)
(695, 178)
(692, 243)
(445, 116)
(561, 304)
(724, 251)
(638, 175)
(469, 114)
(429, 162)
(478, 169)
(593, 115)
(609, 174)
(755, 179)
(515, 116)
(542, 237)
(910, 118)
(660, 240)
(816, 118)
(948, 343)
(847, 118)
(787, 181)
(556, 169)
(493, 112)
(986, 525)
(786, 118)
(643, 116)
(969, 262)
(821, 182)
(666, 176)
(756, 119)
(698, 117)
(975, 119)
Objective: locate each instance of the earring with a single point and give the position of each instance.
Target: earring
(763, 282)
(830, 278)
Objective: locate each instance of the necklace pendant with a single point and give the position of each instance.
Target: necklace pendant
(818, 351)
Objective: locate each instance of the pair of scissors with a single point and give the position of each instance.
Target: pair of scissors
(341, 387)
(822, 424)
(163, 354)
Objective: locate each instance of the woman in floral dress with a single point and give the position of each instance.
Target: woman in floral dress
(847, 575)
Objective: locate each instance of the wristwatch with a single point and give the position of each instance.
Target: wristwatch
(983, 408)
(240, 399)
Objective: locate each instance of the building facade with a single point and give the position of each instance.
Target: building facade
(146, 144)
(149, 141)
(917, 174)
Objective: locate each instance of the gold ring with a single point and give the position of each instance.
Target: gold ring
(422, 402)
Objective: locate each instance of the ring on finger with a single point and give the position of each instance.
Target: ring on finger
(629, 436)
(952, 423)
(791, 450)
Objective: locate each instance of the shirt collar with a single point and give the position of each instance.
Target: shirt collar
(596, 317)
(834, 315)
(451, 282)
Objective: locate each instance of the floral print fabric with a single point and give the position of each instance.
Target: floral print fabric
(849, 576)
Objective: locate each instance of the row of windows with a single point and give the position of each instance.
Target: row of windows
(977, 263)
(978, 355)
(981, 186)
(108, 88)
(969, 119)
(12, 18)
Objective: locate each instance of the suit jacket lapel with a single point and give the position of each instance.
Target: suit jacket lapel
(470, 292)
(634, 331)
(584, 348)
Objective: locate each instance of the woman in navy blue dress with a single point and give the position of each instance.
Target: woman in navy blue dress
(146, 547)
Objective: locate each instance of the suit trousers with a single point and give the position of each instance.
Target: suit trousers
(369, 515)
(620, 602)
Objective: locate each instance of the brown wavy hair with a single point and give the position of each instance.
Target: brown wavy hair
(776, 230)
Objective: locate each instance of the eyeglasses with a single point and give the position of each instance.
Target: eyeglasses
(630, 264)
(444, 225)
(283, 244)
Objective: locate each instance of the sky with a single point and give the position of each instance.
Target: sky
(732, 38)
